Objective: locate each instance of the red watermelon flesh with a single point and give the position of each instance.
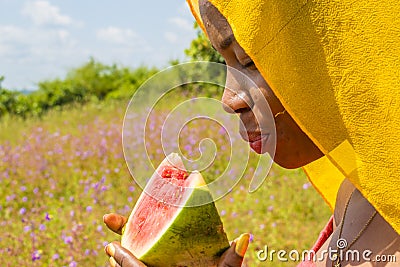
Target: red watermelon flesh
(144, 225)
(159, 221)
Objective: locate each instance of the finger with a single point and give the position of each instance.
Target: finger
(115, 222)
(233, 257)
(113, 263)
(121, 257)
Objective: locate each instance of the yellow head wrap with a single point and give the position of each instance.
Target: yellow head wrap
(335, 66)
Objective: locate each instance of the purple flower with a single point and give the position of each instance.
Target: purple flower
(306, 186)
(22, 211)
(272, 197)
(73, 264)
(36, 255)
(68, 239)
(48, 217)
(42, 227)
(55, 256)
(223, 212)
(270, 208)
(251, 238)
(87, 252)
(273, 224)
(24, 199)
(23, 188)
(96, 185)
(10, 198)
(99, 228)
(89, 208)
(130, 199)
(27, 228)
(262, 226)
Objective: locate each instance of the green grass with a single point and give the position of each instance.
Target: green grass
(61, 173)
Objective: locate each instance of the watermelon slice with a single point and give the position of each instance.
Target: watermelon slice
(168, 225)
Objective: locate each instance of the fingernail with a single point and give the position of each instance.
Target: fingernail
(241, 244)
(110, 249)
(112, 261)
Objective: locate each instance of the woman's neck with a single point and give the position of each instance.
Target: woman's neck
(355, 222)
(342, 198)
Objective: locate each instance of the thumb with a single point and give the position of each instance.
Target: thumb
(233, 257)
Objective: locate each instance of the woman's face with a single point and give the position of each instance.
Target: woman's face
(294, 149)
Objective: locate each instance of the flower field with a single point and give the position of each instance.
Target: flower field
(60, 174)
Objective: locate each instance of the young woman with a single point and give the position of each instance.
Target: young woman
(330, 73)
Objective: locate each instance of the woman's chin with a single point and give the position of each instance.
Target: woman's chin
(288, 165)
(289, 162)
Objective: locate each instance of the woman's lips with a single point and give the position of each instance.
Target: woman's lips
(259, 143)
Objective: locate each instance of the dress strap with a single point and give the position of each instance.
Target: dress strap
(323, 236)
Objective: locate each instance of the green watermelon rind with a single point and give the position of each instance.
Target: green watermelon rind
(195, 238)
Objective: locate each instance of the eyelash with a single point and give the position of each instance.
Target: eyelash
(249, 64)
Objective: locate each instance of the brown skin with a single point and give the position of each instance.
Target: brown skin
(294, 149)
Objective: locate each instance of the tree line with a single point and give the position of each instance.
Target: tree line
(92, 81)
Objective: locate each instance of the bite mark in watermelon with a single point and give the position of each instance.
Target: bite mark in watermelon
(167, 227)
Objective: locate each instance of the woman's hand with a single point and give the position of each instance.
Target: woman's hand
(121, 257)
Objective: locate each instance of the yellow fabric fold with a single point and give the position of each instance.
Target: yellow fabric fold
(335, 66)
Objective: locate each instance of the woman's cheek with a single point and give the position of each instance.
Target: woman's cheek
(282, 134)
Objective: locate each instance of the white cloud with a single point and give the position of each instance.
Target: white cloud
(171, 37)
(36, 53)
(24, 44)
(11, 33)
(181, 23)
(118, 36)
(43, 13)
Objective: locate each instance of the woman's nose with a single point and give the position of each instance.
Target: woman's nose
(235, 98)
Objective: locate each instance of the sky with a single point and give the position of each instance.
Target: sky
(43, 39)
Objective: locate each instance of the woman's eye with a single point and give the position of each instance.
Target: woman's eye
(250, 65)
